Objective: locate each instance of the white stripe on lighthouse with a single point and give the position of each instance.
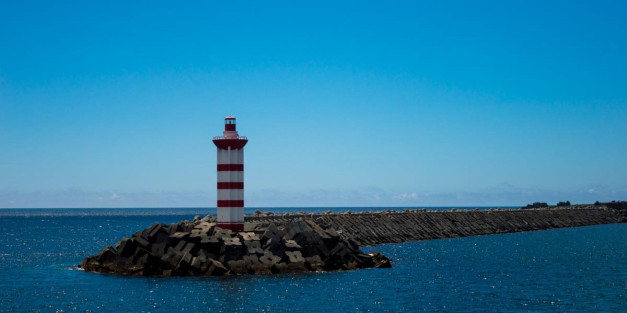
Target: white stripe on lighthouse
(231, 215)
(230, 194)
(230, 156)
(230, 176)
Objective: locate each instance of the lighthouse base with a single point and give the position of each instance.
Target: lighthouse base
(232, 226)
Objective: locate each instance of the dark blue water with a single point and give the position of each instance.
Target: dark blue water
(577, 269)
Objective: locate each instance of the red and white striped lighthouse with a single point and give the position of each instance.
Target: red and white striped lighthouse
(230, 177)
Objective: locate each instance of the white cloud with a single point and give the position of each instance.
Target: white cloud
(406, 196)
(359, 197)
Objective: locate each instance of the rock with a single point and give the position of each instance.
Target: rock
(294, 256)
(184, 266)
(202, 248)
(196, 263)
(272, 232)
(189, 248)
(211, 244)
(275, 247)
(215, 268)
(315, 263)
(237, 266)
(155, 230)
(280, 268)
(171, 258)
(172, 228)
(158, 249)
(291, 245)
(232, 249)
(141, 241)
(209, 219)
(253, 247)
(295, 227)
(126, 248)
(249, 236)
(380, 261)
(107, 255)
(269, 259)
(222, 233)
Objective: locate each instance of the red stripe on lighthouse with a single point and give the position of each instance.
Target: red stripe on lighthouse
(231, 226)
(224, 185)
(230, 203)
(231, 167)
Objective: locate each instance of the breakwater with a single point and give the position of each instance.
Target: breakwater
(200, 247)
(388, 226)
(317, 242)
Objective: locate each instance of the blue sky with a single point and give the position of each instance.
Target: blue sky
(417, 103)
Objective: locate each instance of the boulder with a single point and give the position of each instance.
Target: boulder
(127, 247)
(202, 248)
(253, 247)
(295, 227)
(314, 263)
(237, 266)
(294, 257)
(215, 268)
(269, 259)
(291, 245)
(107, 255)
(271, 233)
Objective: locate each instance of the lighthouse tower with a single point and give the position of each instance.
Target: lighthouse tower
(230, 177)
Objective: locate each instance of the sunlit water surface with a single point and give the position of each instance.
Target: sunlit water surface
(577, 269)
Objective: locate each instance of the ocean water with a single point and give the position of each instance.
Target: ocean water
(580, 269)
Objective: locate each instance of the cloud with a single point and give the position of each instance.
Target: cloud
(501, 195)
(75, 198)
(406, 196)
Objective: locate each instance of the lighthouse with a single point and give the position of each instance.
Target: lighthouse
(230, 176)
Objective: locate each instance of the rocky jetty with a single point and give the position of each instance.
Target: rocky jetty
(273, 243)
(201, 248)
(389, 226)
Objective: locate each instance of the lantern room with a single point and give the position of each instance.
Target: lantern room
(229, 123)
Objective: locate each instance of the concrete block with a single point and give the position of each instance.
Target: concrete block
(189, 248)
(149, 230)
(237, 266)
(127, 247)
(180, 235)
(253, 247)
(249, 236)
(295, 227)
(271, 233)
(180, 246)
(171, 257)
(294, 256)
(158, 249)
(107, 255)
(222, 233)
(141, 241)
(314, 262)
(291, 245)
(269, 259)
(216, 268)
(172, 228)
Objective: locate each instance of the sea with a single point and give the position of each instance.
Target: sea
(581, 269)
